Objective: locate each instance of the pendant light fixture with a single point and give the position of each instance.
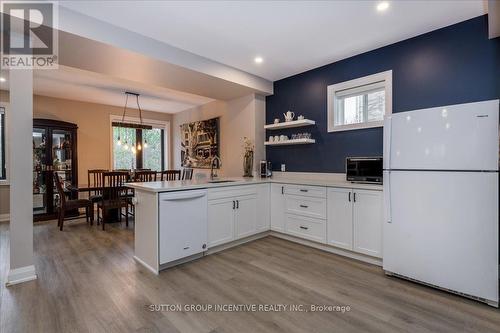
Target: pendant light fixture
(133, 147)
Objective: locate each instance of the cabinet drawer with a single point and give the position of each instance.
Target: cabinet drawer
(307, 206)
(231, 191)
(305, 190)
(306, 227)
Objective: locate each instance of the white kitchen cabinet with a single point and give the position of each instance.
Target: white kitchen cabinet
(278, 207)
(355, 220)
(232, 214)
(367, 222)
(340, 210)
(220, 221)
(263, 207)
(245, 216)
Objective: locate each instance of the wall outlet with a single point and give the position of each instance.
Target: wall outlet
(283, 168)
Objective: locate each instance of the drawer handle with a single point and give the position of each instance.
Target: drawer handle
(304, 206)
(305, 228)
(187, 247)
(303, 190)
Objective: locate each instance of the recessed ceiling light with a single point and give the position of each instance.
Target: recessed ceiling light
(258, 60)
(382, 6)
(2, 79)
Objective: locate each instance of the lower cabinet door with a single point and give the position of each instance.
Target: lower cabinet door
(340, 207)
(263, 207)
(220, 221)
(368, 217)
(246, 216)
(278, 207)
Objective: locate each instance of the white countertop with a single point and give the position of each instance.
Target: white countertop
(180, 185)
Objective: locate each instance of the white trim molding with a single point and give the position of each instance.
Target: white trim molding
(385, 77)
(20, 275)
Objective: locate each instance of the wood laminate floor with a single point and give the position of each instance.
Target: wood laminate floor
(88, 282)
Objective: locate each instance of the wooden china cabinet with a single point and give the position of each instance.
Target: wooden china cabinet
(54, 153)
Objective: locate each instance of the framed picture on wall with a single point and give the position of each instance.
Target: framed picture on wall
(199, 143)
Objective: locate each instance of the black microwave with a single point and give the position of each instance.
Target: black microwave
(364, 169)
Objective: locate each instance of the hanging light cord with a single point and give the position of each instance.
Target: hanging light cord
(140, 110)
(125, 107)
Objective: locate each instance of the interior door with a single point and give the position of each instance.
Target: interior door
(246, 216)
(367, 222)
(444, 230)
(339, 228)
(221, 221)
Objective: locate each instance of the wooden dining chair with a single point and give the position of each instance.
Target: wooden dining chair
(187, 174)
(113, 195)
(95, 180)
(169, 175)
(145, 176)
(68, 205)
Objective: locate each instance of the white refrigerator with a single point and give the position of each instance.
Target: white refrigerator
(441, 198)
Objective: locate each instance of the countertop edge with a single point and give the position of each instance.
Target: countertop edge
(255, 181)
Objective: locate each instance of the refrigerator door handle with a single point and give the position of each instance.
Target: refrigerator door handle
(387, 142)
(387, 197)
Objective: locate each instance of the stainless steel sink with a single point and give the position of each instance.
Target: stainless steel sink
(221, 181)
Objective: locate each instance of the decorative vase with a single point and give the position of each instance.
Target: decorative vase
(248, 163)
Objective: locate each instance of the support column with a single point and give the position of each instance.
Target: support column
(20, 122)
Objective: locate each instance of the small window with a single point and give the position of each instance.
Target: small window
(359, 103)
(3, 168)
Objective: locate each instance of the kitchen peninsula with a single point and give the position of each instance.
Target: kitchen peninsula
(181, 221)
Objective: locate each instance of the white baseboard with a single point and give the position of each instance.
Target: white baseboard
(4, 217)
(331, 249)
(143, 263)
(20, 275)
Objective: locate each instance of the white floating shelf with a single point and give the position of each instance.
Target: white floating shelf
(290, 124)
(290, 142)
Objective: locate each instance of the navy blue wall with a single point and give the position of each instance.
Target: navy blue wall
(453, 65)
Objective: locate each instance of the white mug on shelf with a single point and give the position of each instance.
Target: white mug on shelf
(301, 117)
(283, 138)
(276, 121)
(276, 138)
(271, 138)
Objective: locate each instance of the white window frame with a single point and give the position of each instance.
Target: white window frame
(332, 100)
(6, 181)
(163, 124)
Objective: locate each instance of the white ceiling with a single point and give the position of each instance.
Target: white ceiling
(85, 86)
(291, 36)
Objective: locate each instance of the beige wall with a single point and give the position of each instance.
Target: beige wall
(239, 118)
(93, 122)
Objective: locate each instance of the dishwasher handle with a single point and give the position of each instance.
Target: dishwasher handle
(184, 196)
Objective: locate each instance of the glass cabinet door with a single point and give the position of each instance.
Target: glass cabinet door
(62, 155)
(41, 171)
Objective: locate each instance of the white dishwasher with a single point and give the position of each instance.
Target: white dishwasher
(182, 224)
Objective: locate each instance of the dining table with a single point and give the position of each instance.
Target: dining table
(114, 214)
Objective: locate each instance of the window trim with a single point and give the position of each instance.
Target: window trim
(386, 77)
(6, 181)
(163, 124)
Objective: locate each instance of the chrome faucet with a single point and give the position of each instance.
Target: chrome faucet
(212, 173)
